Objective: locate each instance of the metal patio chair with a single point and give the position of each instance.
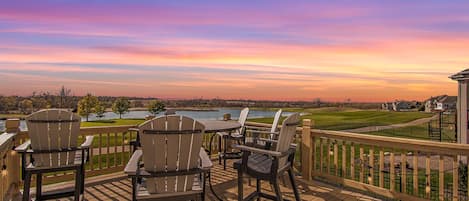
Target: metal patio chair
(237, 136)
(269, 165)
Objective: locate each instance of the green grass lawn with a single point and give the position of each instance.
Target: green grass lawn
(336, 119)
(419, 132)
(112, 122)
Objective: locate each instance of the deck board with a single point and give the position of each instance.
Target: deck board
(118, 187)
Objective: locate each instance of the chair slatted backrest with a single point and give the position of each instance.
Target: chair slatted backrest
(277, 116)
(243, 116)
(171, 143)
(287, 133)
(53, 129)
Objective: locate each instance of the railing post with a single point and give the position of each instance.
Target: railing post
(12, 161)
(307, 150)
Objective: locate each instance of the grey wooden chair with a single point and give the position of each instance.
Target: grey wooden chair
(226, 138)
(53, 147)
(264, 132)
(174, 163)
(269, 165)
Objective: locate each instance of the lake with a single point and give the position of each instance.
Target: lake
(216, 114)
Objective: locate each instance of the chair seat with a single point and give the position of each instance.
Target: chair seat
(232, 135)
(77, 162)
(259, 163)
(142, 192)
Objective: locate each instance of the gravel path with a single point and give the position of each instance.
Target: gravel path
(379, 128)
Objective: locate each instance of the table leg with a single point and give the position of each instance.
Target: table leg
(211, 186)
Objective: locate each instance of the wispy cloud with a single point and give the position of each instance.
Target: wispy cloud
(368, 51)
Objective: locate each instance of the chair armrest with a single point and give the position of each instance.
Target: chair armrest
(262, 131)
(205, 159)
(88, 142)
(23, 148)
(260, 151)
(132, 166)
(256, 128)
(134, 129)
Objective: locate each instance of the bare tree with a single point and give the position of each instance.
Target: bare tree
(64, 95)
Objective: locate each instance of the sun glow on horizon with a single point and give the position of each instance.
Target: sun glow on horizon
(266, 50)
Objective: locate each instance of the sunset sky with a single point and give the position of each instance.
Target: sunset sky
(275, 50)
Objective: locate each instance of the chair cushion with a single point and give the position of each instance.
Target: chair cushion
(232, 135)
(259, 163)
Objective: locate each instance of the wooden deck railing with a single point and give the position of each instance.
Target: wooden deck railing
(398, 168)
(393, 167)
(9, 162)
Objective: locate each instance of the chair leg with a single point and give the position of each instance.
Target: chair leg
(219, 149)
(38, 186)
(210, 145)
(78, 183)
(240, 184)
(292, 180)
(82, 179)
(27, 186)
(278, 194)
(134, 188)
(258, 189)
(225, 147)
(204, 177)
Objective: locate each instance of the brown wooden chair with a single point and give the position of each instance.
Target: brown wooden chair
(174, 163)
(268, 165)
(53, 147)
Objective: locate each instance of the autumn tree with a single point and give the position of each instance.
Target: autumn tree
(99, 109)
(39, 103)
(155, 107)
(87, 105)
(7, 103)
(26, 106)
(121, 106)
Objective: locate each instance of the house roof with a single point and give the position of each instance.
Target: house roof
(449, 99)
(437, 98)
(463, 75)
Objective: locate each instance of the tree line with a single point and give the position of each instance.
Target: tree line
(90, 104)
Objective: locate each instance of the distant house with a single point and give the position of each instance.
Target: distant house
(401, 106)
(447, 103)
(386, 106)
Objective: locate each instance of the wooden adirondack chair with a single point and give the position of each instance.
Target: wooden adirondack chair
(226, 138)
(268, 133)
(174, 162)
(268, 165)
(53, 147)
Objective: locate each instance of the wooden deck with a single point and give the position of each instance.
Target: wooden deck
(118, 187)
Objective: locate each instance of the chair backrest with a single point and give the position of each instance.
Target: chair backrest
(171, 143)
(243, 116)
(287, 133)
(277, 116)
(53, 129)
